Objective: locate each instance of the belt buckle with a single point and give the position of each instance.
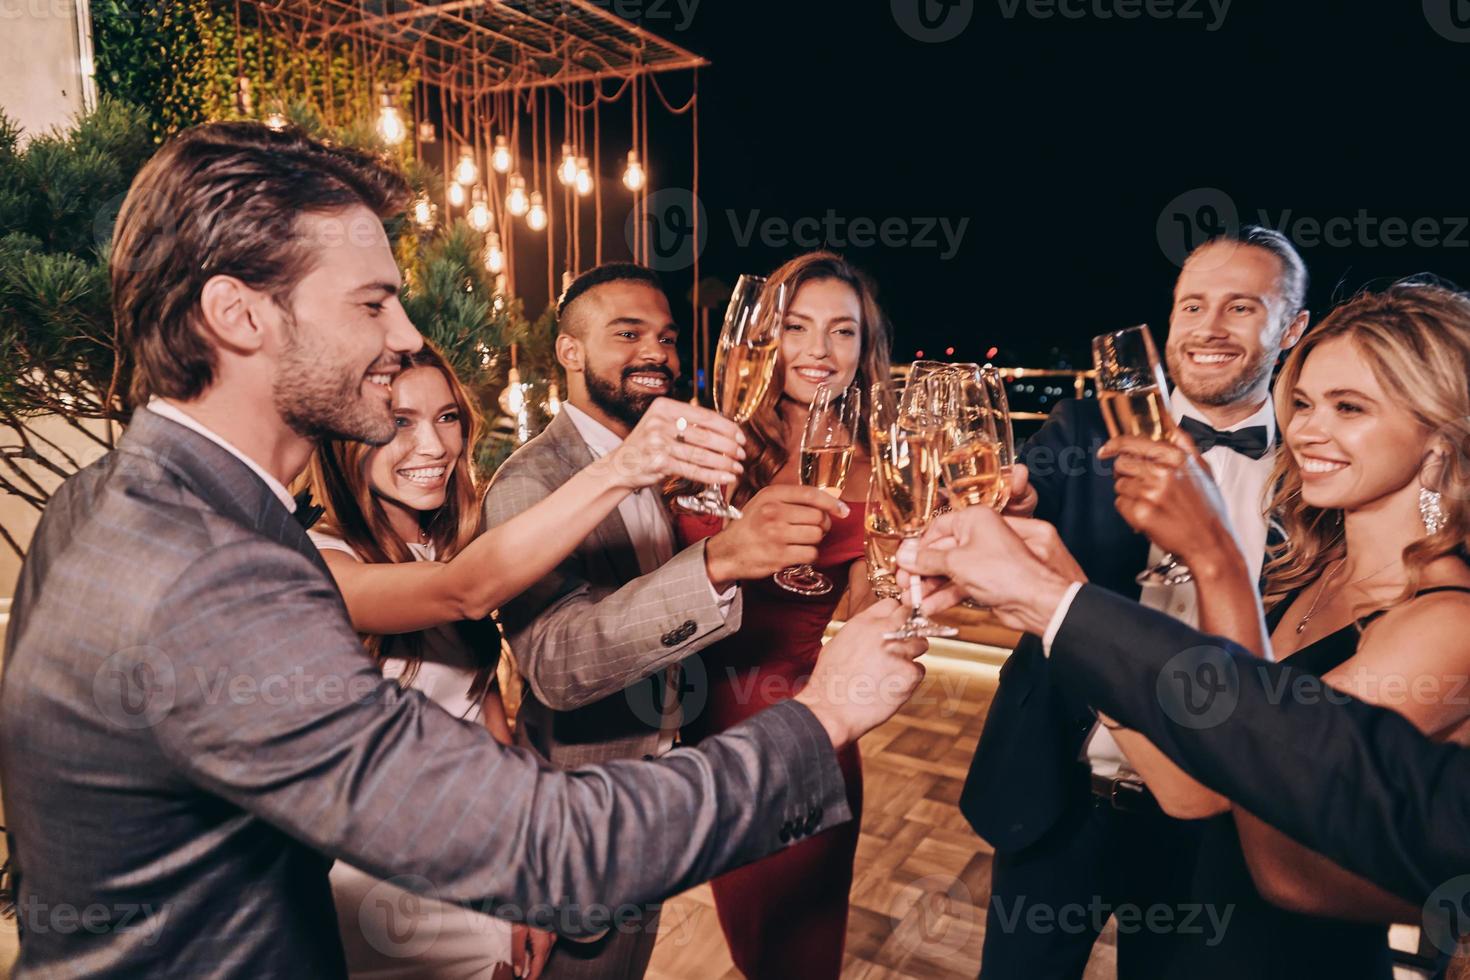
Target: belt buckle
(1134, 788)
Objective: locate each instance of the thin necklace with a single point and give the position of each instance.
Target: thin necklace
(1323, 588)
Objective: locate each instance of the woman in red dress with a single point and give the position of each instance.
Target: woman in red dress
(786, 915)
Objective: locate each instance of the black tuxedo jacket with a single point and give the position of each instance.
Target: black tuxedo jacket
(1357, 783)
(1025, 773)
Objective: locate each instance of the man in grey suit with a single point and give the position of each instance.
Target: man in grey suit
(600, 640)
(190, 731)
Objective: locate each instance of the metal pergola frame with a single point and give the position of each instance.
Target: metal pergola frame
(474, 47)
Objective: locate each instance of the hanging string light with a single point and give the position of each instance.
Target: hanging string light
(456, 194)
(427, 132)
(516, 201)
(423, 212)
(465, 172)
(390, 121)
(243, 101)
(584, 177)
(500, 157)
(494, 256)
(276, 120)
(479, 213)
(634, 177)
(536, 215)
(567, 171)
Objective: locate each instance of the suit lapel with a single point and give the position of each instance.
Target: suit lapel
(612, 534)
(220, 479)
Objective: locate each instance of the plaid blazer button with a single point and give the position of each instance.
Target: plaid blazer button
(679, 634)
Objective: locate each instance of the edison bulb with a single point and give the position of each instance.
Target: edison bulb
(634, 177)
(500, 156)
(516, 201)
(536, 215)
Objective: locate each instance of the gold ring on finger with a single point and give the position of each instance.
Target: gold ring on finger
(681, 424)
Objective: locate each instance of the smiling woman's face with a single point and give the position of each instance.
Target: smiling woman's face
(414, 469)
(821, 338)
(1354, 443)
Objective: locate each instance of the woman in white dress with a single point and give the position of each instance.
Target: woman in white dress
(401, 535)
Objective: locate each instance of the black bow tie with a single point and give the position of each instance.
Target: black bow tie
(306, 513)
(1250, 441)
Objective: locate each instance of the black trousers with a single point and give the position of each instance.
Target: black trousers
(1049, 902)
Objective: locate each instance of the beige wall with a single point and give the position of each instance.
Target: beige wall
(42, 47)
(41, 84)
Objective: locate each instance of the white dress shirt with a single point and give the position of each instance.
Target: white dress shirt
(1242, 483)
(652, 532)
(173, 413)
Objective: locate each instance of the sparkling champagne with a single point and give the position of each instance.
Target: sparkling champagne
(908, 476)
(975, 476)
(1140, 411)
(880, 545)
(742, 375)
(825, 468)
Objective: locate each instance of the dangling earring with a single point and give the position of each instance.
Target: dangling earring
(1430, 511)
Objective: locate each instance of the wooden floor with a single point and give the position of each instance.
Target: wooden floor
(922, 878)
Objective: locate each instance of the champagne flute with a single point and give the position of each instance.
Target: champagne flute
(750, 343)
(905, 451)
(971, 454)
(880, 545)
(826, 454)
(1135, 401)
(1000, 406)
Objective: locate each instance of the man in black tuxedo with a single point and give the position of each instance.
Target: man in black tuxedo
(1073, 827)
(1355, 782)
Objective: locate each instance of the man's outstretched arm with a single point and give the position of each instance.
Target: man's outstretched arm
(1357, 783)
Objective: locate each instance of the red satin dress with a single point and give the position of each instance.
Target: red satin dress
(784, 915)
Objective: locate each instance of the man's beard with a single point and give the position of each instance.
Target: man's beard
(622, 401)
(1224, 391)
(321, 400)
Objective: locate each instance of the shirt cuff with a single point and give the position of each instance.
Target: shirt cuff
(1053, 627)
(724, 600)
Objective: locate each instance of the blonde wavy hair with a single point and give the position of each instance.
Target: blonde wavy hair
(1415, 336)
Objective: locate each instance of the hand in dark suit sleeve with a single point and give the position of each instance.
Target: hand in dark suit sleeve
(1050, 455)
(270, 702)
(1357, 783)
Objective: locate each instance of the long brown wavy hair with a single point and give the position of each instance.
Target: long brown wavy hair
(339, 482)
(1415, 335)
(766, 452)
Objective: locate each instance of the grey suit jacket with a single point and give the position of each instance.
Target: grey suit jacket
(190, 733)
(594, 638)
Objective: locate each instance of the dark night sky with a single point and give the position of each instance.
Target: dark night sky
(1066, 143)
